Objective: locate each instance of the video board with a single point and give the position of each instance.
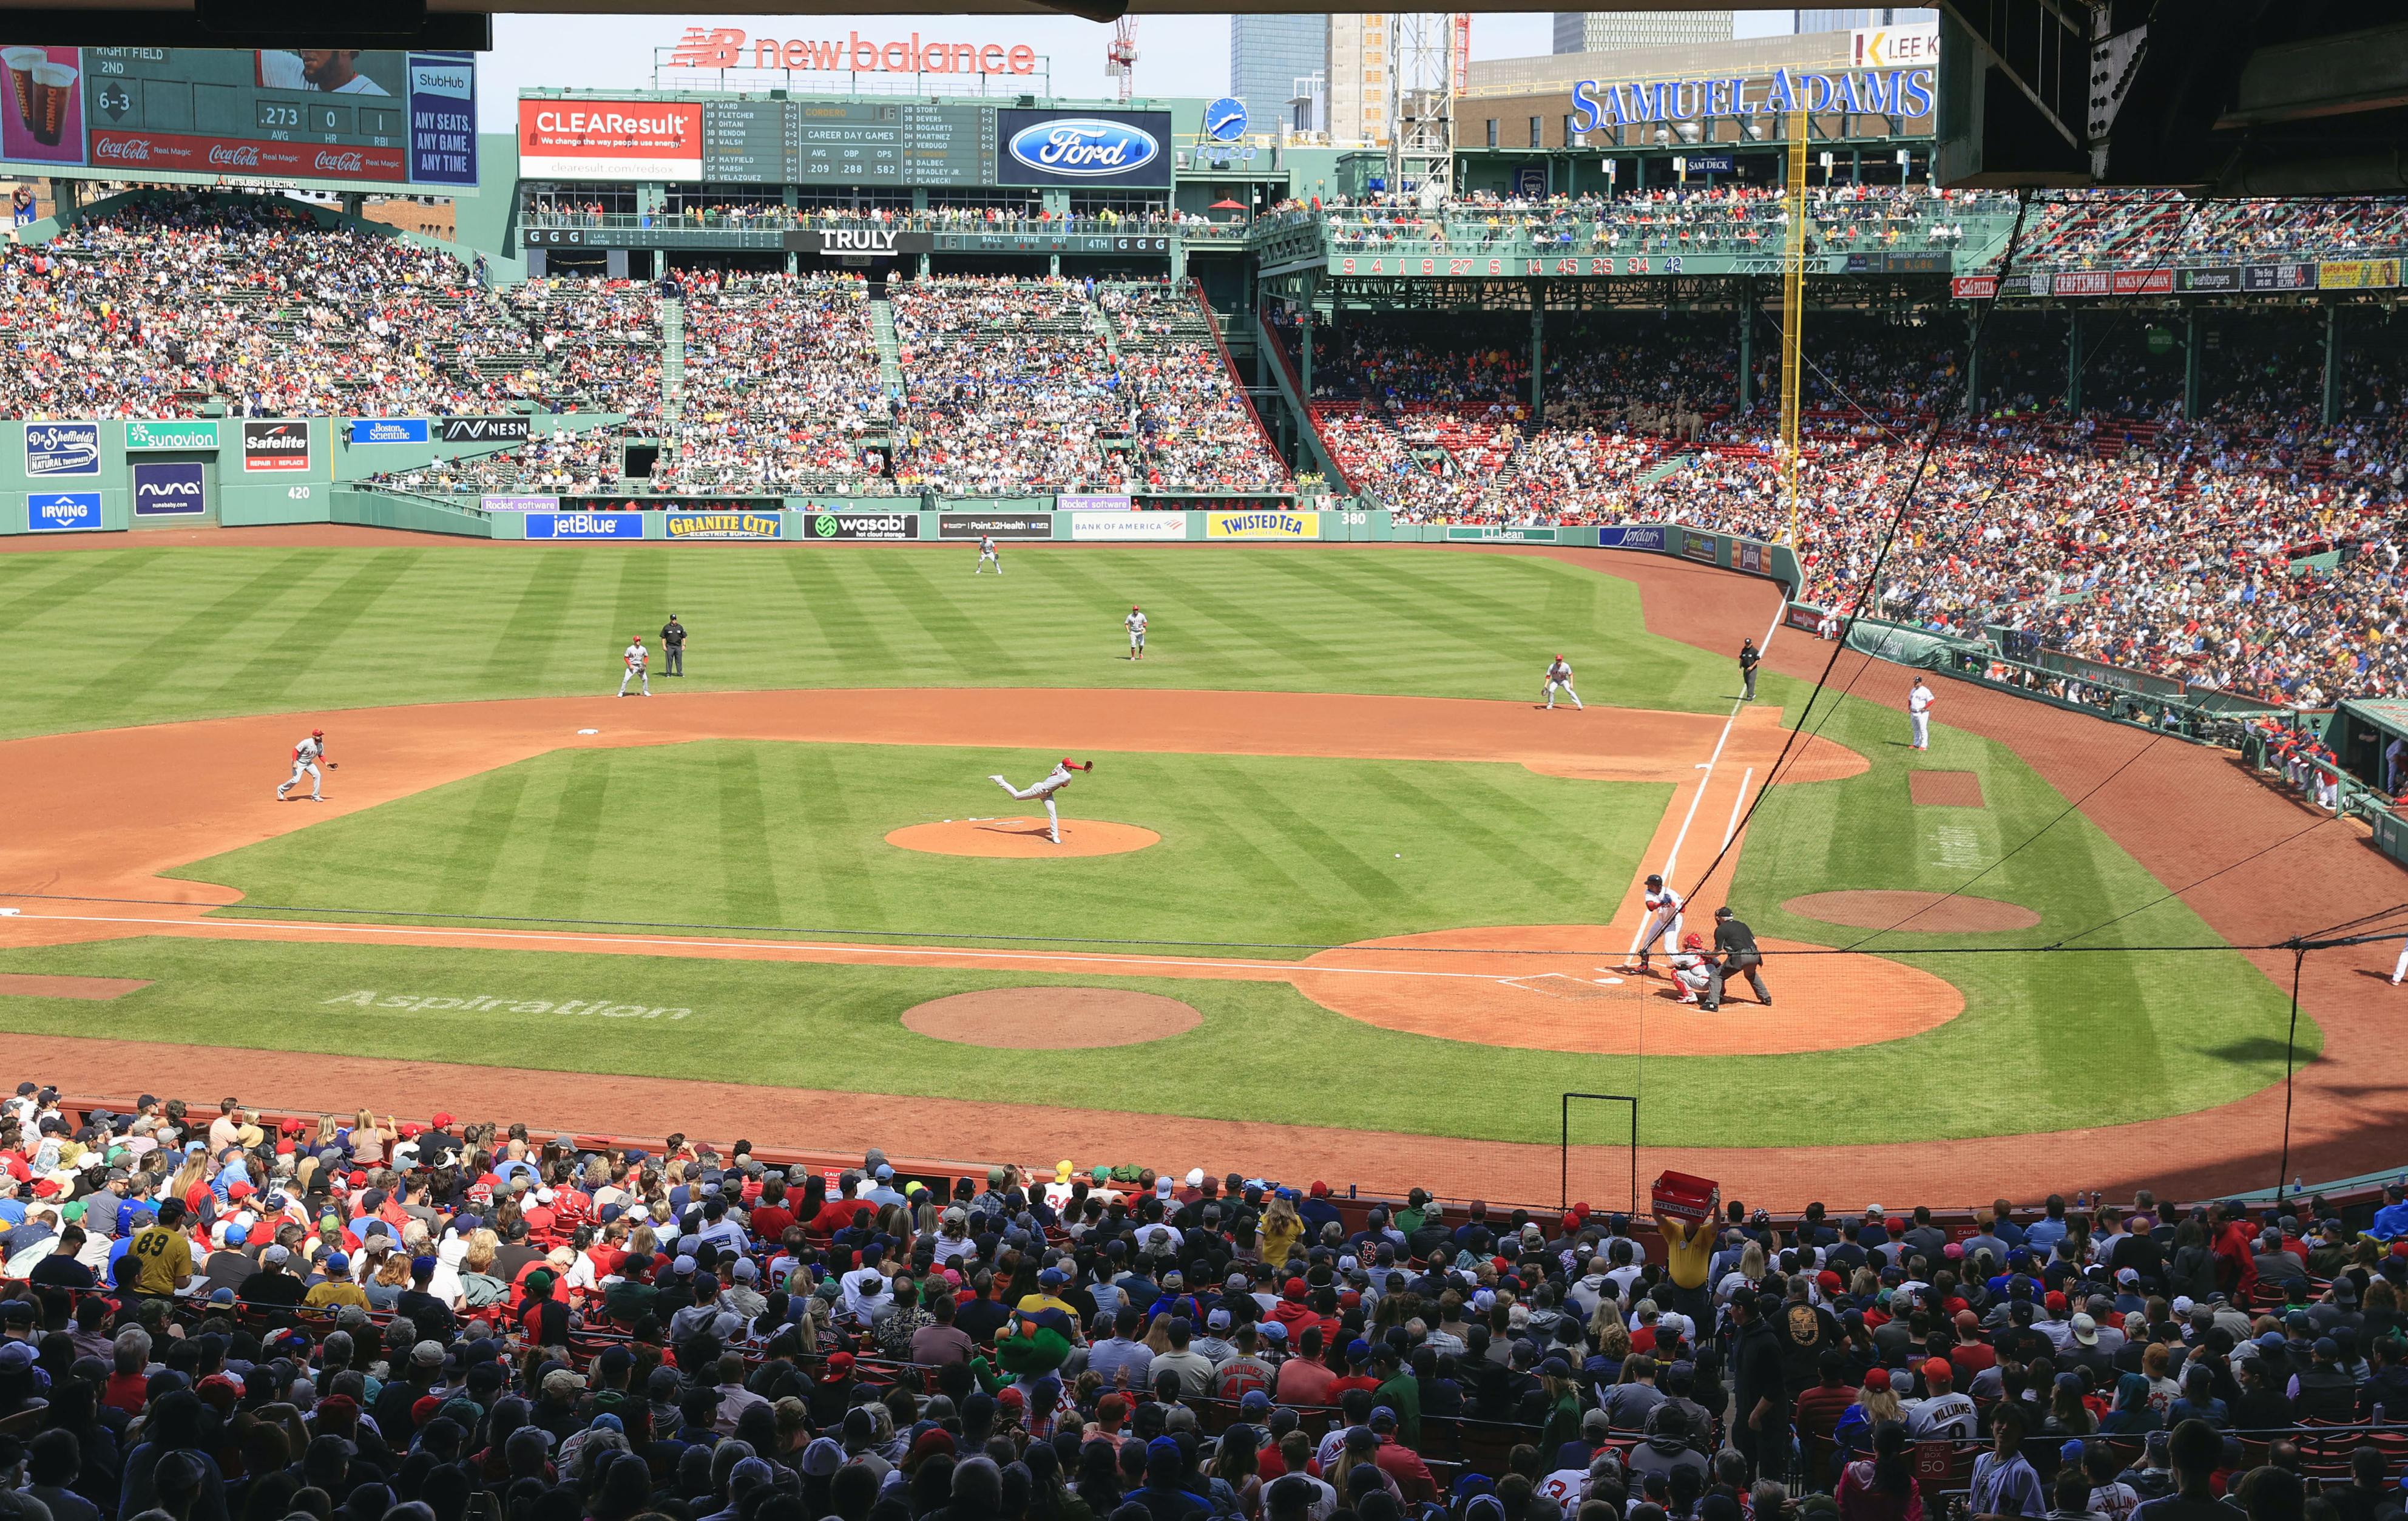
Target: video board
(276, 113)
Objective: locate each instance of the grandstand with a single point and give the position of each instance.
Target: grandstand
(2154, 513)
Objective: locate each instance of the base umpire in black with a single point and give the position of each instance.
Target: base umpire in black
(673, 646)
(1735, 945)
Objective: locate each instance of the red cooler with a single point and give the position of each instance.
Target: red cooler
(1685, 1197)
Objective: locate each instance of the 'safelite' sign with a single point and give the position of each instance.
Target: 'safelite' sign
(275, 446)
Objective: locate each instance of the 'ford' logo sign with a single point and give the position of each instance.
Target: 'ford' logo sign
(1082, 145)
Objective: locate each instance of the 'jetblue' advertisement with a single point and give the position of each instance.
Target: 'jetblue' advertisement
(1083, 147)
(585, 526)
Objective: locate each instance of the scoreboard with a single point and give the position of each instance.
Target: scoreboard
(897, 143)
(225, 114)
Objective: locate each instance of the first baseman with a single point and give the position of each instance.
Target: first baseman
(1559, 675)
(1054, 781)
(637, 661)
(1663, 919)
(1919, 713)
(987, 555)
(306, 756)
(1135, 624)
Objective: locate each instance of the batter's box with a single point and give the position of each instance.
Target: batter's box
(1555, 984)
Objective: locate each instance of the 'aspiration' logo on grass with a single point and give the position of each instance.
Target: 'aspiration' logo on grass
(575, 1007)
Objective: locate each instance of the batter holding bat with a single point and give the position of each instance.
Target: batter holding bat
(306, 758)
(1054, 781)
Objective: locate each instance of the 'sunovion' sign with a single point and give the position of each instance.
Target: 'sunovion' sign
(1903, 93)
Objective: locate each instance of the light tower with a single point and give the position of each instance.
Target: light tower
(1432, 58)
(1119, 56)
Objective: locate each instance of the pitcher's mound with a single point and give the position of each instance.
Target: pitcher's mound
(1052, 1018)
(1023, 838)
(1913, 913)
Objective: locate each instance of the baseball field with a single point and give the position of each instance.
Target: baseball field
(1338, 898)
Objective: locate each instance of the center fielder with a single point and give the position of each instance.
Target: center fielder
(306, 756)
(1663, 919)
(1135, 624)
(987, 555)
(637, 661)
(1560, 676)
(1054, 781)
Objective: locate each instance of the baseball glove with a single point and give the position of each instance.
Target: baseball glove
(334, 766)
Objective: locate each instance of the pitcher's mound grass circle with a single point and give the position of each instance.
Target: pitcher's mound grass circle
(1931, 913)
(1560, 987)
(1052, 1018)
(1023, 839)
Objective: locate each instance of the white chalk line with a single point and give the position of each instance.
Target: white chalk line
(234, 928)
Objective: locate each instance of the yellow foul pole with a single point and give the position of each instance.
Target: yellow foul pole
(1793, 310)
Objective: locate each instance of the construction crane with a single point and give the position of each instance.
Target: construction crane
(1119, 56)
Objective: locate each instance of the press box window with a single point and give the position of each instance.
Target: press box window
(1534, 132)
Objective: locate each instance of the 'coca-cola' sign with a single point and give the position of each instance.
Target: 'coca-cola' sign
(198, 153)
(234, 155)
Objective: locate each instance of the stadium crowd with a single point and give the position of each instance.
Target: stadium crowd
(209, 1316)
(1015, 385)
(2202, 550)
(156, 308)
(1722, 219)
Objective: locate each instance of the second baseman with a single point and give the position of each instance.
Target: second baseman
(1560, 676)
(1052, 783)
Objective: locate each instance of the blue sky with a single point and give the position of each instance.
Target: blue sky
(1179, 56)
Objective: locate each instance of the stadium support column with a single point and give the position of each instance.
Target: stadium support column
(2072, 359)
(1538, 354)
(1973, 371)
(1747, 341)
(2332, 363)
(2190, 365)
(1304, 346)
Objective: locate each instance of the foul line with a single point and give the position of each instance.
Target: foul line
(1284, 970)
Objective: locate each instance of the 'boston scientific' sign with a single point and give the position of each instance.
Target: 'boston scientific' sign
(1861, 92)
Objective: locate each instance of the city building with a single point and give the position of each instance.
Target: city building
(1843, 18)
(1611, 31)
(1269, 56)
(1361, 57)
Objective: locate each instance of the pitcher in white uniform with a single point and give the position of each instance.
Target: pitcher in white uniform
(306, 756)
(1054, 781)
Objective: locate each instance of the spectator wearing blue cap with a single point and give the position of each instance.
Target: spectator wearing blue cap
(1165, 1495)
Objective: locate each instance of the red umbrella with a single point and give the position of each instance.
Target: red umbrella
(1227, 205)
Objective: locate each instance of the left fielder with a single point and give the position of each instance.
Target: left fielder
(1054, 781)
(1663, 920)
(1135, 624)
(306, 756)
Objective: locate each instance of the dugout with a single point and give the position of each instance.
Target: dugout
(2362, 728)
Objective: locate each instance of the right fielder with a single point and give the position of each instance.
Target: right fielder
(1663, 919)
(637, 662)
(1054, 781)
(306, 756)
(1560, 677)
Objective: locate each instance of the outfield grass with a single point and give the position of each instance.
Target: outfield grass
(1255, 850)
(141, 635)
